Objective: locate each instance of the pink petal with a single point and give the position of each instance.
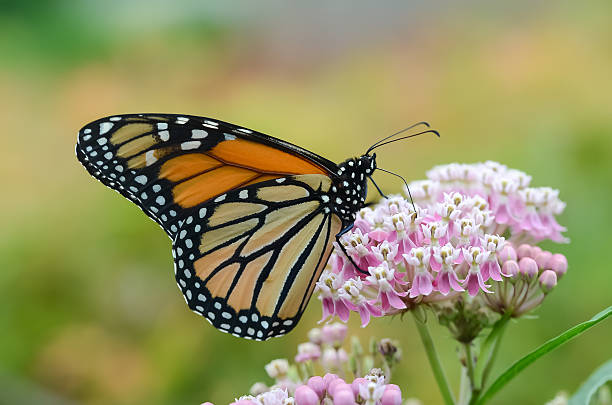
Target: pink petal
(484, 287)
(435, 265)
(484, 271)
(443, 283)
(495, 270)
(395, 300)
(454, 281)
(342, 311)
(365, 316)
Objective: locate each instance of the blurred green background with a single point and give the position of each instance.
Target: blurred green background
(89, 310)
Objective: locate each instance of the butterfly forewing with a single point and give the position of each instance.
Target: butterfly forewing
(168, 164)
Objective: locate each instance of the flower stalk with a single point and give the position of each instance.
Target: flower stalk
(434, 360)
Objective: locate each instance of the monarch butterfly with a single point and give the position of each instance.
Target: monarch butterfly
(252, 218)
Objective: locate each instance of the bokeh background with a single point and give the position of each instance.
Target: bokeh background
(89, 310)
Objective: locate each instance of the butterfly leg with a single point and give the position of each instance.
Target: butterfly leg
(342, 232)
(378, 188)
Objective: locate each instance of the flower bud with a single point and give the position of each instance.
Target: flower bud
(510, 268)
(523, 251)
(548, 280)
(304, 395)
(535, 250)
(507, 253)
(329, 359)
(356, 383)
(307, 351)
(344, 397)
(244, 401)
(328, 378)
(317, 384)
(258, 388)
(356, 347)
(277, 368)
(559, 264)
(528, 267)
(338, 385)
(334, 334)
(543, 259)
(314, 335)
(392, 387)
(391, 396)
(386, 347)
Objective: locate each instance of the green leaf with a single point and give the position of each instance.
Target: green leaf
(547, 347)
(601, 376)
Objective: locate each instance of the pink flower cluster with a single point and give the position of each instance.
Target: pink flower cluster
(331, 389)
(466, 224)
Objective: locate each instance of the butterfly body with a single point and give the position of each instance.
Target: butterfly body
(252, 218)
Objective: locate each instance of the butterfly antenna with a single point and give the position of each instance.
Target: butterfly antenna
(429, 131)
(397, 133)
(405, 182)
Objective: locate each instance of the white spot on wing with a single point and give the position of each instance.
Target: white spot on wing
(229, 137)
(105, 127)
(190, 145)
(141, 179)
(162, 125)
(164, 135)
(150, 157)
(198, 133)
(181, 120)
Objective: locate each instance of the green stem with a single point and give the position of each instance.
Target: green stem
(488, 350)
(434, 361)
(464, 389)
(489, 365)
(469, 361)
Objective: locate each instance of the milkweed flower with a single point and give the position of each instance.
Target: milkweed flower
(470, 237)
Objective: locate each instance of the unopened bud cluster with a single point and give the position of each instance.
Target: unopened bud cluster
(326, 372)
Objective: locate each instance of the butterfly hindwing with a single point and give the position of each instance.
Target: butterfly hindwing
(249, 262)
(168, 164)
